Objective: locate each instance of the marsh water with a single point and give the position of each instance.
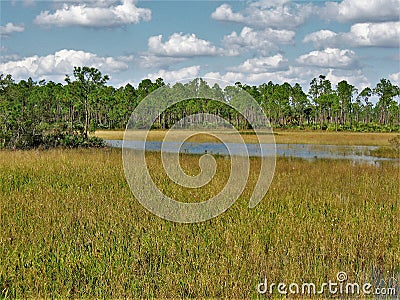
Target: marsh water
(304, 151)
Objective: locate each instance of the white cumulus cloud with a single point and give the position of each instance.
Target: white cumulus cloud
(273, 14)
(262, 41)
(101, 15)
(294, 74)
(362, 10)
(354, 77)
(225, 13)
(330, 58)
(262, 64)
(182, 45)
(380, 34)
(10, 28)
(259, 78)
(60, 63)
(385, 34)
(175, 75)
(319, 38)
(395, 78)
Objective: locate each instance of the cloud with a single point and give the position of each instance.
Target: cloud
(354, 77)
(262, 14)
(122, 83)
(60, 63)
(8, 57)
(182, 45)
(171, 76)
(262, 64)
(384, 34)
(320, 38)
(362, 11)
(395, 78)
(83, 14)
(230, 77)
(265, 4)
(263, 41)
(330, 58)
(10, 28)
(225, 13)
(293, 75)
(148, 61)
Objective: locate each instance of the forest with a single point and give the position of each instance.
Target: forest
(51, 114)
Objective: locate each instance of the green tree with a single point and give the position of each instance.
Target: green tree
(365, 94)
(87, 80)
(345, 91)
(386, 92)
(299, 103)
(321, 94)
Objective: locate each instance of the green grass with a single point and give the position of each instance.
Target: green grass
(69, 227)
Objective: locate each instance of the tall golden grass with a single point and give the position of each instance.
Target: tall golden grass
(69, 227)
(281, 137)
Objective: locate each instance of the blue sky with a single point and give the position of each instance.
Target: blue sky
(248, 41)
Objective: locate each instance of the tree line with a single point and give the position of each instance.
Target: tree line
(31, 111)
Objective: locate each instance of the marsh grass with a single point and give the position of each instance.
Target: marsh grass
(69, 227)
(388, 152)
(281, 137)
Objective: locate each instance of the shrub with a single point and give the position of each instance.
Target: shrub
(395, 142)
(68, 140)
(50, 140)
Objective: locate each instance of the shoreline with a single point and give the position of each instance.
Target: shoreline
(280, 136)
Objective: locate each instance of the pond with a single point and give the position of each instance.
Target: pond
(304, 151)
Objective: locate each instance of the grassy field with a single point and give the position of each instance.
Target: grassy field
(284, 137)
(69, 227)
